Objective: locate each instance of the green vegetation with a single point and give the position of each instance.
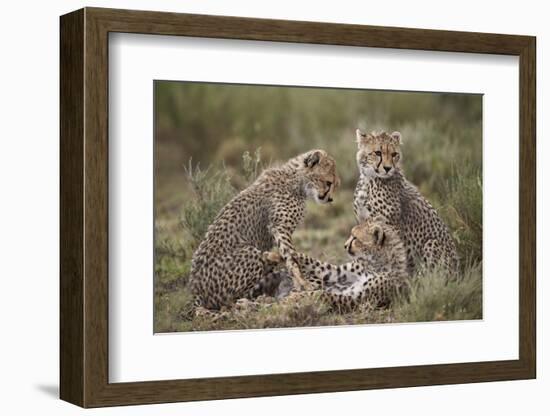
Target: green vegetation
(212, 140)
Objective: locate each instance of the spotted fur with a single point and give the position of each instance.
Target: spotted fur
(383, 190)
(232, 261)
(377, 271)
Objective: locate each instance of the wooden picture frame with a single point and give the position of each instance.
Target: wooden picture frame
(84, 207)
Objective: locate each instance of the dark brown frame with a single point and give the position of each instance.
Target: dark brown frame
(84, 207)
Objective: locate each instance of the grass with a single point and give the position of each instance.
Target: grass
(432, 297)
(441, 156)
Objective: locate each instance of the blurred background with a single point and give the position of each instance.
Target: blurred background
(212, 140)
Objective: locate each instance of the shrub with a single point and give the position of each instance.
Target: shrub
(212, 189)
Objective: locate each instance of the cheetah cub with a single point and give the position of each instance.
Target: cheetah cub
(377, 271)
(233, 261)
(383, 190)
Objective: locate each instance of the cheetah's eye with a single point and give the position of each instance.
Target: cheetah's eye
(378, 153)
(394, 154)
(329, 183)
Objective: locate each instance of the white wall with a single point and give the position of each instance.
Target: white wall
(29, 207)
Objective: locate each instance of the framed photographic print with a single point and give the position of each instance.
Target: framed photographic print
(255, 207)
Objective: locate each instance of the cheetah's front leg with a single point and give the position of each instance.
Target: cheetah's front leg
(288, 253)
(299, 282)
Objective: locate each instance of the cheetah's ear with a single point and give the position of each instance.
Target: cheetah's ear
(379, 235)
(397, 136)
(360, 137)
(312, 159)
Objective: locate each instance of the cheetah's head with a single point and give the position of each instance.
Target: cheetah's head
(371, 239)
(319, 175)
(378, 154)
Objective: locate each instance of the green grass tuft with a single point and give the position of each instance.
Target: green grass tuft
(434, 297)
(463, 211)
(211, 189)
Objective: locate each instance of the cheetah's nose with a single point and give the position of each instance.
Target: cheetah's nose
(387, 168)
